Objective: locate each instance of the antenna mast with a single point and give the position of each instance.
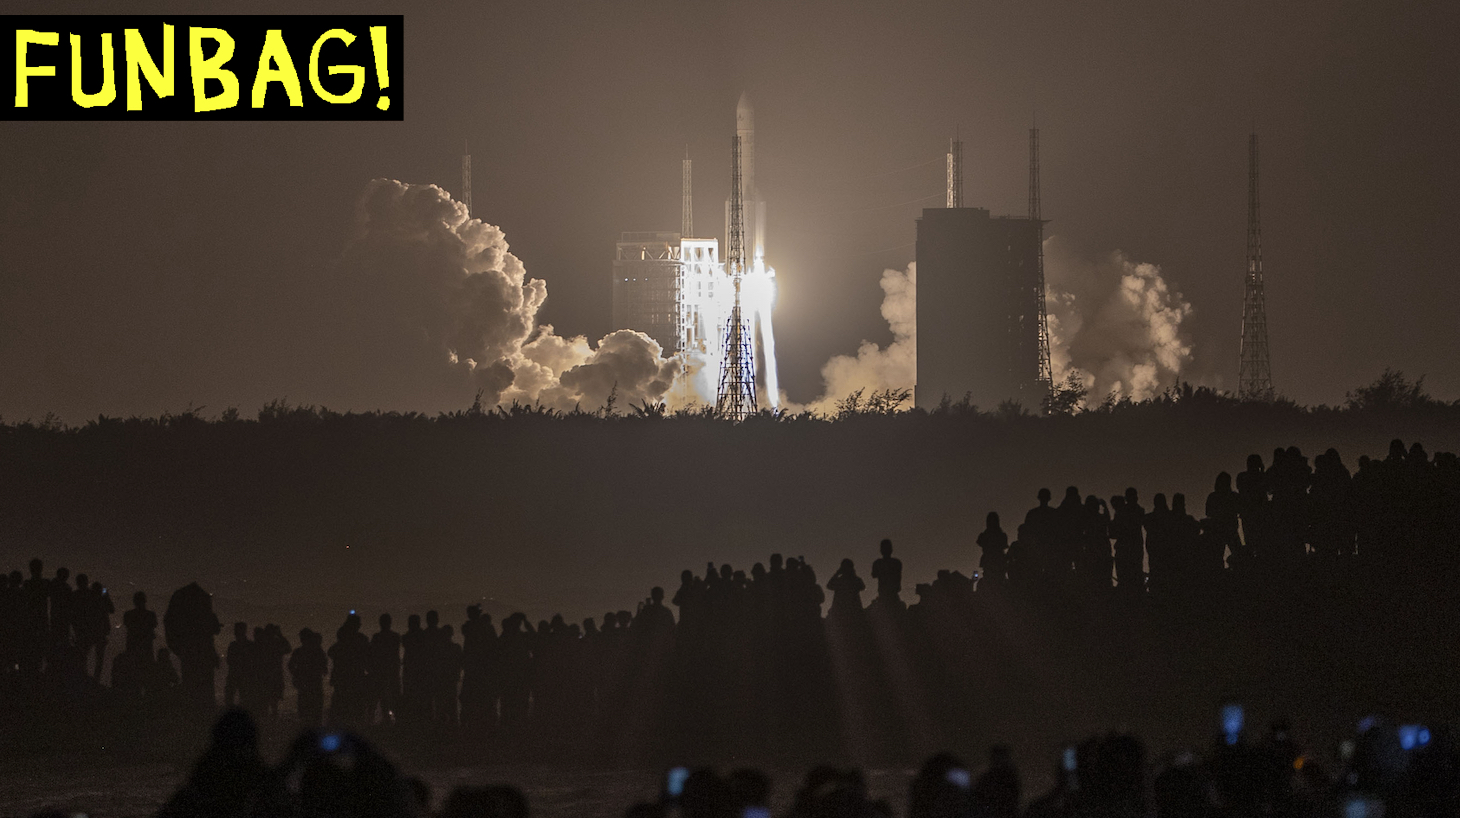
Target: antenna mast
(955, 172)
(686, 210)
(466, 176)
(1045, 376)
(1254, 370)
(736, 397)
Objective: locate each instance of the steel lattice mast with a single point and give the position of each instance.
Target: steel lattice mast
(955, 173)
(1045, 377)
(1254, 371)
(466, 176)
(735, 399)
(686, 207)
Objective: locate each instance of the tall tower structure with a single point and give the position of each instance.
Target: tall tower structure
(1045, 376)
(686, 207)
(955, 172)
(466, 176)
(1254, 369)
(735, 398)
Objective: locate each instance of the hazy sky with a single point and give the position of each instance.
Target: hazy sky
(147, 266)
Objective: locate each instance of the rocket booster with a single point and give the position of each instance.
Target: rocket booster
(754, 216)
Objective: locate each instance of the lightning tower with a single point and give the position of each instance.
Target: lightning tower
(466, 176)
(686, 208)
(955, 173)
(1045, 376)
(735, 398)
(1254, 371)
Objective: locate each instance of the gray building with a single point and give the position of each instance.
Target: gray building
(978, 308)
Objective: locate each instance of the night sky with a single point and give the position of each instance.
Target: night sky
(145, 267)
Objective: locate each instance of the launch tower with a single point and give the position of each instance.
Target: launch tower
(735, 398)
(1254, 370)
(1045, 377)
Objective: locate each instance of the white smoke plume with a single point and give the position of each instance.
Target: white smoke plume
(1115, 323)
(876, 368)
(449, 311)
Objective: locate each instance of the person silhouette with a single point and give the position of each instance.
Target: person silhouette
(308, 665)
(1127, 526)
(846, 588)
(349, 673)
(447, 675)
(190, 625)
(993, 561)
(1159, 527)
(1069, 523)
(100, 624)
(887, 570)
(414, 683)
(477, 643)
(655, 617)
(997, 790)
(1223, 509)
(239, 661)
(384, 674)
(1041, 526)
(130, 668)
(35, 632)
(229, 778)
(272, 649)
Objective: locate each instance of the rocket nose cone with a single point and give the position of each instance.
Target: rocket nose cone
(744, 113)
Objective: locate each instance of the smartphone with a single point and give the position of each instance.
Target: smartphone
(958, 777)
(755, 812)
(1071, 760)
(1363, 808)
(674, 781)
(1412, 736)
(331, 742)
(1232, 721)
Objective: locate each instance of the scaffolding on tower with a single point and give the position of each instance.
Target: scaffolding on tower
(735, 398)
(1045, 376)
(1254, 369)
(466, 176)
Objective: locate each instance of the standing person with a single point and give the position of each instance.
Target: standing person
(448, 676)
(385, 670)
(993, 563)
(1130, 547)
(413, 670)
(273, 649)
(100, 624)
(477, 640)
(307, 667)
(36, 630)
(349, 673)
(846, 589)
(1095, 558)
(238, 658)
(190, 626)
(888, 572)
(129, 669)
(1223, 510)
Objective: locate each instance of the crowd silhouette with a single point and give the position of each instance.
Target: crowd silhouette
(750, 654)
(1382, 769)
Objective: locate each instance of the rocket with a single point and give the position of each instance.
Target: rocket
(754, 214)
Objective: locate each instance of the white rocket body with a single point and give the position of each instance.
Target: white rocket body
(754, 214)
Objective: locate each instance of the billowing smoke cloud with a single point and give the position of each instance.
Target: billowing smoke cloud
(875, 368)
(1115, 323)
(447, 311)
